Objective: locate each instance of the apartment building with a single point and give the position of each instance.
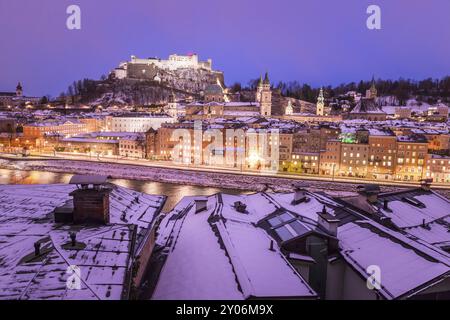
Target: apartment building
(438, 168)
(314, 139)
(411, 155)
(354, 159)
(304, 162)
(132, 146)
(65, 128)
(382, 155)
(330, 158)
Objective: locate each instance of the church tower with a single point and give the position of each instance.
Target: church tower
(264, 96)
(19, 90)
(172, 106)
(320, 106)
(289, 109)
(372, 92)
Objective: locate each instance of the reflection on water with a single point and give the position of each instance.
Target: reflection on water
(174, 192)
(32, 177)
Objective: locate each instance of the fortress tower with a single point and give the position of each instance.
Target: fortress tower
(264, 96)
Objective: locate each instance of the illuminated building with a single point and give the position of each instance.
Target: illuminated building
(132, 146)
(438, 168)
(354, 158)
(137, 122)
(64, 128)
(330, 158)
(382, 154)
(411, 156)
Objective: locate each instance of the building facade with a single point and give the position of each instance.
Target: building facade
(139, 122)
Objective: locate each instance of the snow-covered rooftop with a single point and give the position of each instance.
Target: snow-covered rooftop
(404, 267)
(103, 253)
(210, 258)
(224, 252)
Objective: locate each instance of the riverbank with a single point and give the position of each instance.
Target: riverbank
(179, 176)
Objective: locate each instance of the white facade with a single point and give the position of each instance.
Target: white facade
(121, 71)
(176, 62)
(139, 124)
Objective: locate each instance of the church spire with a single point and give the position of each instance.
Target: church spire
(373, 83)
(266, 78)
(260, 82)
(320, 98)
(372, 92)
(19, 90)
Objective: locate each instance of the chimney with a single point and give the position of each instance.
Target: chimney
(425, 184)
(271, 248)
(299, 194)
(328, 222)
(370, 192)
(90, 200)
(240, 207)
(37, 248)
(200, 204)
(73, 238)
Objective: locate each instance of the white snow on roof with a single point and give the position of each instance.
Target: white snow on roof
(436, 233)
(258, 207)
(402, 268)
(407, 215)
(197, 268)
(26, 217)
(306, 209)
(239, 113)
(260, 271)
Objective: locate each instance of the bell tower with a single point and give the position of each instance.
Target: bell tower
(19, 90)
(372, 92)
(264, 96)
(320, 104)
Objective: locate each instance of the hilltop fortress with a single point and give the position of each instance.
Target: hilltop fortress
(139, 68)
(183, 73)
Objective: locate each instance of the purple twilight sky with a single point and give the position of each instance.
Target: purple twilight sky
(315, 41)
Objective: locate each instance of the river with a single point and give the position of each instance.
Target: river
(174, 192)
